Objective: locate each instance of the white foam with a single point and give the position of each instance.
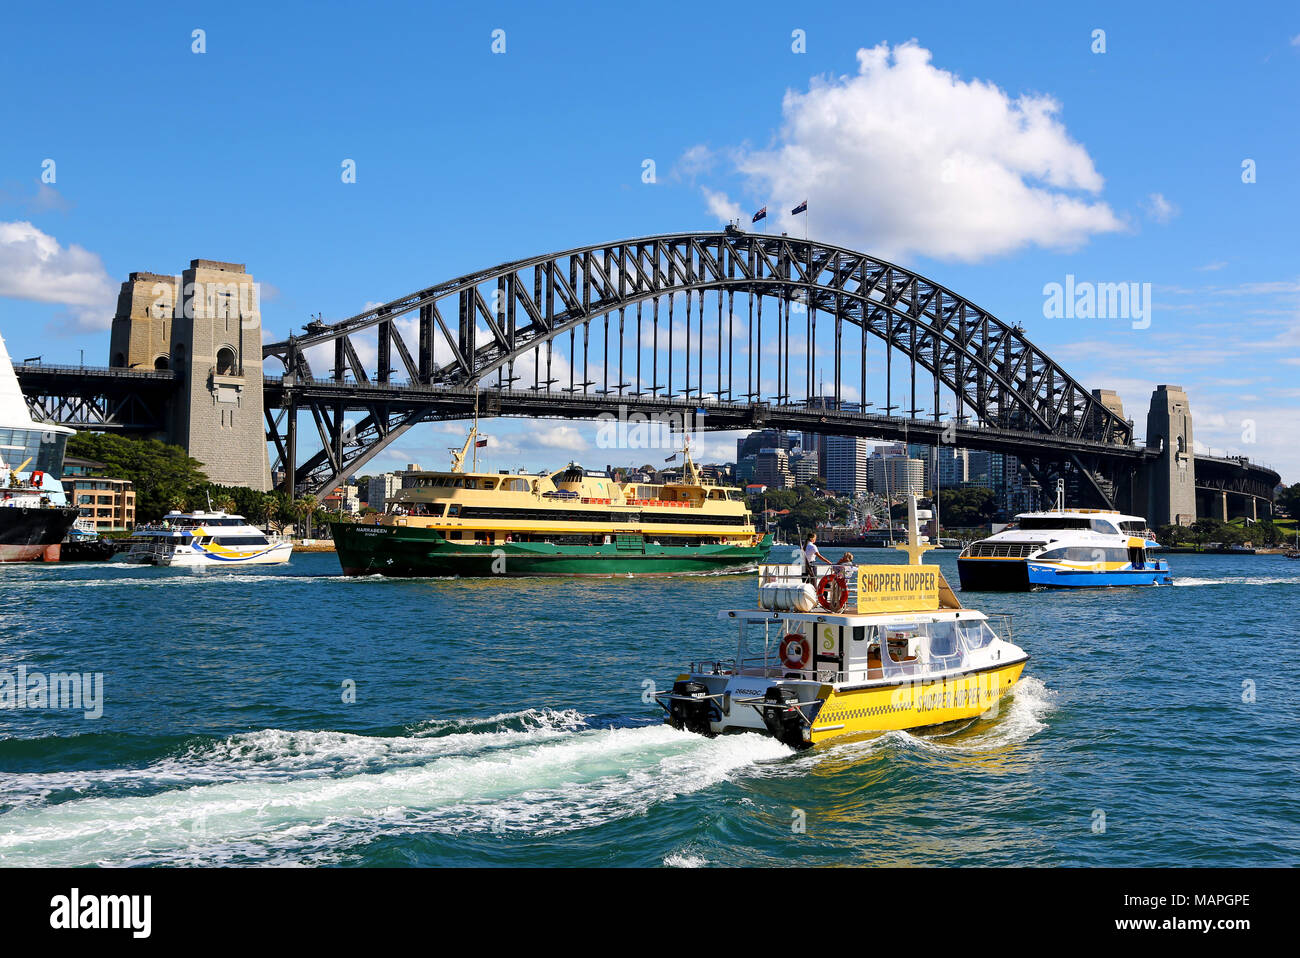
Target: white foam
(1244, 580)
(321, 791)
(683, 860)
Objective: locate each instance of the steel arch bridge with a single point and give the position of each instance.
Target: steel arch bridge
(633, 313)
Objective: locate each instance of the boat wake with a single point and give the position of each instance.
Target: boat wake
(282, 796)
(1243, 580)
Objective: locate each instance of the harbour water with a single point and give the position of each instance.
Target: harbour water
(501, 722)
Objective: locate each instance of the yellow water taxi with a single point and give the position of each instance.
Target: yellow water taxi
(835, 650)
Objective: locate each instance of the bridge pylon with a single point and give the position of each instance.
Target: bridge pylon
(206, 325)
(1166, 486)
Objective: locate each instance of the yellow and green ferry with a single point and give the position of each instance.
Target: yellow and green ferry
(564, 523)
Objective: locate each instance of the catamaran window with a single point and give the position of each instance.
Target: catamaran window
(1087, 554)
(1133, 527)
(1101, 525)
(1047, 522)
(241, 540)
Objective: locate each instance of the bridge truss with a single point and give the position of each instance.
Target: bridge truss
(680, 319)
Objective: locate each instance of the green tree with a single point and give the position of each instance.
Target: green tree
(161, 474)
(1289, 499)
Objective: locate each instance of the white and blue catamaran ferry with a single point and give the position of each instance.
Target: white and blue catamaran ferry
(213, 538)
(1064, 548)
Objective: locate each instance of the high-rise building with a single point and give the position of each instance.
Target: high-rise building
(846, 465)
(804, 466)
(897, 476)
(772, 468)
(381, 489)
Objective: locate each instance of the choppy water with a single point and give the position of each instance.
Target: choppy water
(501, 722)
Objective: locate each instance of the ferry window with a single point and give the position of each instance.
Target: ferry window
(459, 483)
(489, 484)
(1101, 525)
(453, 510)
(1134, 527)
(859, 633)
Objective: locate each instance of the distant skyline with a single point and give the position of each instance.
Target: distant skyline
(1004, 151)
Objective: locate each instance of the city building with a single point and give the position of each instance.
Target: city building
(804, 467)
(772, 468)
(381, 489)
(846, 464)
(897, 476)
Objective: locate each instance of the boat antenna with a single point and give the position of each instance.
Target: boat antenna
(1060, 495)
(208, 493)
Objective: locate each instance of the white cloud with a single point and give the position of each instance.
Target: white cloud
(721, 206)
(905, 158)
(34, 266)
(1160, 209)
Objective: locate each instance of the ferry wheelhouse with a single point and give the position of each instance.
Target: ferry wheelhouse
(834, 651)
(563, 523)
(214, 538)
(1064, 548)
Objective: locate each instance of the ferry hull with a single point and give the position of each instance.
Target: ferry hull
(916, 705)
(34, 535)
(993, 575)
(410, 552)
(1021, 575)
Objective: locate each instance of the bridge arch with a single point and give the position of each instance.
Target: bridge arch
(483, 326)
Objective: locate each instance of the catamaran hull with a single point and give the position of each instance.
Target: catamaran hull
(406, 552)
(1020, 575)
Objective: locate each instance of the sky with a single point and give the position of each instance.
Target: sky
(995, 148)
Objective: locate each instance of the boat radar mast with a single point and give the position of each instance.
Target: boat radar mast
(914, 548)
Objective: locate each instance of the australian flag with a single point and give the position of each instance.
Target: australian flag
(801, 208)
(760, 215)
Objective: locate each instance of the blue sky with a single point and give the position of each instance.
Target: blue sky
(1122, 166)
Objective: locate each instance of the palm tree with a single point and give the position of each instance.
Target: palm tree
(306, 508)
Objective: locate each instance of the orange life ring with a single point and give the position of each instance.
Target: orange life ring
(796, 651)
(38, 479)
(833, 591)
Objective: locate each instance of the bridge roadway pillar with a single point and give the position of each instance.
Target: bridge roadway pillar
(207, 325)
(1169, 483)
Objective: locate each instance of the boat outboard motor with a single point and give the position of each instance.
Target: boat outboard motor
(690, 708)
(782, 718)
